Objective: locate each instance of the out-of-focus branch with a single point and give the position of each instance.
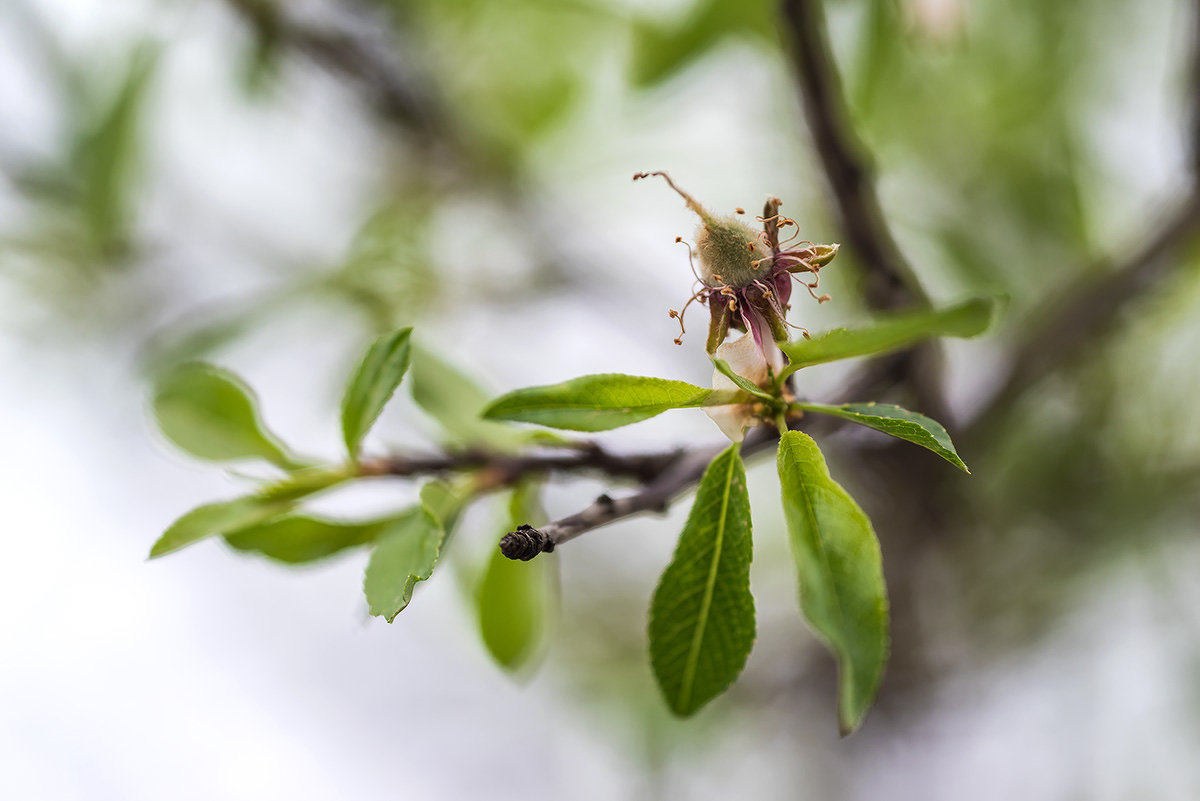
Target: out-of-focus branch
(501, 469)
(891, 282)
(1082, 313)
(359, 55)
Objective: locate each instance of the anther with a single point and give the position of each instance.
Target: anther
(740, 210)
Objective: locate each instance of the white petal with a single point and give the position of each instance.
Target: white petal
(742, 355)
(732, 420)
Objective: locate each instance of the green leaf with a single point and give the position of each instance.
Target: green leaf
(404, 555)
(889, 334)
(456, 402)
(661, 51)
(702, 616)
(225, 517)
(218, 518)
(841, 573)
(743, 383)
(597, 402)
(299, 539)
(896, 421)
(515, 600)
(212, 414)
(372, 386)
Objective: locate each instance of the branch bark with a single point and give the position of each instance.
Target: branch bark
(891, 283)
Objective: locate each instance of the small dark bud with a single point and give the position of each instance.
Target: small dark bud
(525, 543)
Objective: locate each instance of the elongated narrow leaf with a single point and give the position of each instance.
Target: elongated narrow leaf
(212, 414)
(841, 573)
(217, 518)
(224, 517)
(890, 333)
(372, 386)
(596, 402)
(743, 383)
(702, 616)
(299, 539)
(407, 553)
(898, 422)
(456, 402)
(515, 601)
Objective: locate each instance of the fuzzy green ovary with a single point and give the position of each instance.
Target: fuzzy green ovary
(729, 250)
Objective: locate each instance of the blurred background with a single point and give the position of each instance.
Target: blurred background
(269, 185)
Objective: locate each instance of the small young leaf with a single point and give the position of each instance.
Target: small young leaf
(212, 414)
(702, 616)
(225, 517)
(916, 428)
(515, 600)
(841, 573)
(596, 402)
(742, 383)
(299, 539)
(372, 386)
(408, 552)
(890, 333)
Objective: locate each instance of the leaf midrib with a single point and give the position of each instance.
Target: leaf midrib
(689, 670)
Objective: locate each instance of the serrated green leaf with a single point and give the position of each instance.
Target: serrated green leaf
(224, 517)
(896, 421)
(597, 402)
(515, 601)
(702, 616)
(841, 573)
(212, 414)
(456, 402)
(299, 539)
(373, 384)
(407, 552)
(889, 334)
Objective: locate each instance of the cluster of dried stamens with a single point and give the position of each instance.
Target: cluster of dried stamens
(741, 268)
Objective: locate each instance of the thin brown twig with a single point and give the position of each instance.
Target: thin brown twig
(507, 468)
(680, 476)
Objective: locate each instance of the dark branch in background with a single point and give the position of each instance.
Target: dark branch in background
(505, 469)
(891, 281)
(1082, 314)
(359, 55)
